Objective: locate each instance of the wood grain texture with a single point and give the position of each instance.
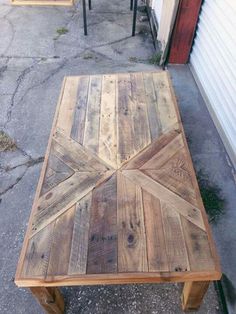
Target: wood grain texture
(77, 130)
(102, 245)
(126, 148)
(118, 200)
(108, 121)
(50, 299)
(166, 107)
(193, 293)
(132, 251)
(186, 209)
(174, 239)
(79, 246)
(67, 107)
(156, 249)
(61, 244)
(92, 125)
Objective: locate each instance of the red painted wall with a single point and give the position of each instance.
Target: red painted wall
(184, 31)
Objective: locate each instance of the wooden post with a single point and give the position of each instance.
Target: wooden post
(50, 299)
(193, 293)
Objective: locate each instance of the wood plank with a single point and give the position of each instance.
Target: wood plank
(193, 294)
(190, 212)
(102, 246)
(199, 251)
(108, 121)
(50, 299)
(142, 136)
(67, 106)
(166, 107)
(61, 245)
(151, 150)
(175, 174)
(163, 155)
(132, 251)
(125, 132)
(58, 200)
(77, 131)
(76, 156)
(156, 249)
(79, 247)
(37, 254)
(57, 171)
(92, 124)
(151, 100)
(174, 239)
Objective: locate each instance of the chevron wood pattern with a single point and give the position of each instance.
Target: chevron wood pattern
(118, 200)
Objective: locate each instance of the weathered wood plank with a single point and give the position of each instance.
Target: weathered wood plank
(61, 245)
(174, 239)
(193, 294)
(142, 136)
(151, 150)
(37, 254)
(167, 152)
(151, 100)
(57, 171)
(77, 131)
(166, 107)
(108, 121)
(156, 249)
(92, 124)
(67, 106)
(199, 252)
(62, 197)
(102, 246)
(50, 299)
(132, 251)
(76, 156)
(126, 134)
(79, 247)
(183, 207)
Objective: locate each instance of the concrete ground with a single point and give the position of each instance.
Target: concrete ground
(34, 58)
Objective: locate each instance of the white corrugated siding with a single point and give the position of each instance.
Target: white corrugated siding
(213, 60)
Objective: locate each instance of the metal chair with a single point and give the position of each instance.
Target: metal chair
(133, 6)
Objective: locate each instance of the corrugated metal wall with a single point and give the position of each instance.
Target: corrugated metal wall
(213, 60)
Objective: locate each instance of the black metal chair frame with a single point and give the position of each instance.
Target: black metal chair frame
(133, 6)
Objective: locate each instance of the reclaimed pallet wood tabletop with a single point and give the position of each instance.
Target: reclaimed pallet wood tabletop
(117, 201)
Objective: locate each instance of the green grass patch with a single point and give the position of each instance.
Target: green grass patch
(6, 143)
(62, 31)
(155, 59)
(211, 196)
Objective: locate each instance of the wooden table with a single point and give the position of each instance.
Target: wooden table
(117, 201)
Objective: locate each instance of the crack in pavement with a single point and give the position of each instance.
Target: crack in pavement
(28, 164)
(18, 83)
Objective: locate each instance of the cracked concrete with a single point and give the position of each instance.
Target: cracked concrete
(33, 61)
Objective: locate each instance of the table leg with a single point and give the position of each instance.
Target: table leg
(134, 17)
(90, 4)
(50, 299)
(193, 293)
(85, 18)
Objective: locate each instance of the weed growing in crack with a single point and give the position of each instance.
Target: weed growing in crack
(62, 31)
(211, 196)
(6, 143)
(155, 59)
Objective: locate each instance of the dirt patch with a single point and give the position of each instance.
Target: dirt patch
(6, 143)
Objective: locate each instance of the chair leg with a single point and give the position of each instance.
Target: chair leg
(134, 17)
(131, 4)
(85, 18)
(90, 4)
